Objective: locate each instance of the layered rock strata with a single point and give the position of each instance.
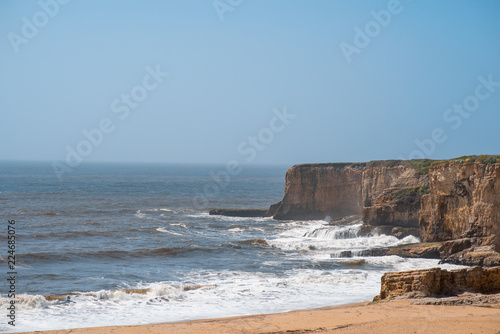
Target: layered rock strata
(463, 203)
(439, 282)
(385, 193)
(456, 200)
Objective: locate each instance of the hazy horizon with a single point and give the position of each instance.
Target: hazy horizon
(252, 82)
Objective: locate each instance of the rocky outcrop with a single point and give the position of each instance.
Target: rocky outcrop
(456, 200)
(439, 282)
(319, 190)
(238, 212)
(466, 298)
(464, 202)
(474, 256)
(420, 250)
(386, 193)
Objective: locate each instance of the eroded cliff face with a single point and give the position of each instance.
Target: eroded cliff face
(392, 196)
(438, 201)
(464, 202)
(386, 196)
(319, 190)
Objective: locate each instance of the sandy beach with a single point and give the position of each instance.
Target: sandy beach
(384, 317)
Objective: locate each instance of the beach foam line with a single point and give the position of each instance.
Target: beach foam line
(383, 317)
(129, 291)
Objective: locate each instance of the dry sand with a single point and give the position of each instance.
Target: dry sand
(383, 317)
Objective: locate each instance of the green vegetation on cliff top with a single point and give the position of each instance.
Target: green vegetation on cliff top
(410, 195)
(421, 166)
(407, 196)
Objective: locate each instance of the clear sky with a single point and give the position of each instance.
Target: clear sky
(257, 81)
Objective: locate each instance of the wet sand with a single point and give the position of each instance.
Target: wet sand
(383, 317)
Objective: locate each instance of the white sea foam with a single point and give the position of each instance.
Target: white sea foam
(178, 224)
(244, 219)
(160, 209)
(335, 232)
(318, 235)
(198, 214)
(166, 210)
(236, 229)
(139, 214)
(206, 214)
(164, 230)
(353, 244)
(210, 294)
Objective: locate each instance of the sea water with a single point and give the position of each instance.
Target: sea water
(134, 244)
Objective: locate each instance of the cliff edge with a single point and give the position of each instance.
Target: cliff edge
(386, 193)
(455, 201)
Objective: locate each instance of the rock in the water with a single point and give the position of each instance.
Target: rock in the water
(346, 254)
(238, 212)
(354, 263)
(420, 250)
(475, 256)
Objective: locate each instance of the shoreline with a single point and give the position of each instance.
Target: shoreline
(395, 316)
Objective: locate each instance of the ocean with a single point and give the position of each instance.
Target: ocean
(134, 244)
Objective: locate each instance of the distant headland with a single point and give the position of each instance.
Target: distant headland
(452, 205)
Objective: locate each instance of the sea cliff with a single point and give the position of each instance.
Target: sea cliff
(456, 201)
(385, 193)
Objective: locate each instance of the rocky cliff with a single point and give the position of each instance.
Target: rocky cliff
(386, 193)
(319, 190)
(457, 200)
(464, 202)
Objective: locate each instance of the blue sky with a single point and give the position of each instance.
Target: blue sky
(230, 73)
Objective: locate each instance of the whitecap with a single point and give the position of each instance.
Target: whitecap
(164, 230)
(236, 229)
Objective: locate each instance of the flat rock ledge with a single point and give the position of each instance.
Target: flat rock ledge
(439, 282)
(238, 212)
(458, 251)
(464, 299)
